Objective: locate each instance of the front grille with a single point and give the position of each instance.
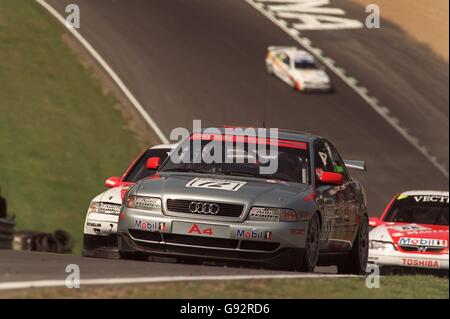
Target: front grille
(145, 235)
(107, 208)
(201, 241)
(409, 248)
(434, 250)
(225, 210)
(259, 245)
(427, 249)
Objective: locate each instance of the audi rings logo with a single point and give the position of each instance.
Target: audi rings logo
(204, 208)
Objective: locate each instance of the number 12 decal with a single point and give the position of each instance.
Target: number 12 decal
(221, 184)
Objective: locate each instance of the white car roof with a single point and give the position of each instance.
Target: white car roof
(294, 53)
(425, 193)
(300, 55)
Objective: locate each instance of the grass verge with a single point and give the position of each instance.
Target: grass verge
(390, 287)
(61, 134)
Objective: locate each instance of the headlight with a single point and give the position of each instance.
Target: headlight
(145, 203)
(93, 207)
(381, 245)
(276, 215)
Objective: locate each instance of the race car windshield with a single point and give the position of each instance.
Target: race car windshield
(244, 160)
(140, 171)
(431, 210)
(306, 65)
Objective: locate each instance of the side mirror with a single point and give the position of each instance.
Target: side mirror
(329, 178)
(153, 162)
(112, 182)
(374, 221)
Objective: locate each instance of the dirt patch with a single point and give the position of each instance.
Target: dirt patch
(144, 134)
(424, 20)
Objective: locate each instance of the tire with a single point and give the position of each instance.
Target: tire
(356, 263)
(310, 254)
(64, 240)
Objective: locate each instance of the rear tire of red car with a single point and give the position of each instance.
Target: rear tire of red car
(310, 254)
(356, 263)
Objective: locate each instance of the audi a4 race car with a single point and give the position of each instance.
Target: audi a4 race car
(412, 233)
(307, 212)
(298, 69)
(100, 226)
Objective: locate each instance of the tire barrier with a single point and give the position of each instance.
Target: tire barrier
(6, 233)
(59, 242)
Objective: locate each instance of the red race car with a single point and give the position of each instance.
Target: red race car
(412, 233)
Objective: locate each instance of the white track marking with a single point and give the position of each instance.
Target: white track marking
(110, 71)
(164, 279)
(383, 111)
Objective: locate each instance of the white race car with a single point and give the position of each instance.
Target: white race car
(100, 226)
(298, 69)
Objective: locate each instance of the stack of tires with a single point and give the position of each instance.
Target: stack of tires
(6, 233)
(58, 242)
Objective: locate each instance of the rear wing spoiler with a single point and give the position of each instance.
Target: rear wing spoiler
(359, 165)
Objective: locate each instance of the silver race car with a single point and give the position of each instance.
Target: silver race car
(308, 212)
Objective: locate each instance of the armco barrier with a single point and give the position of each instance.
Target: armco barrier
(6, 233)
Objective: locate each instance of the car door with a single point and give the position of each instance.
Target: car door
(331, 201)
(350, 215)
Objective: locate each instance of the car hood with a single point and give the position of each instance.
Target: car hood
(314, 76)
(247, 191)
(112, 195)
(394, 232)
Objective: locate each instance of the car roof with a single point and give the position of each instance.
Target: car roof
(283, 134)
(294, 53)
(424, 193)
(302, 56)
(299, 55)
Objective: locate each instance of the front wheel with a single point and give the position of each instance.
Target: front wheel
(356, 263)
(311, 251)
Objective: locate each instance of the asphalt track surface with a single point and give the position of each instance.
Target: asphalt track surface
(202, 59)
(33, 266)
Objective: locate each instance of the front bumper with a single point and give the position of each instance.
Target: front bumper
(155, 233)
(311, 87)
(408, 260)
(101, 224)
(100, 236)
